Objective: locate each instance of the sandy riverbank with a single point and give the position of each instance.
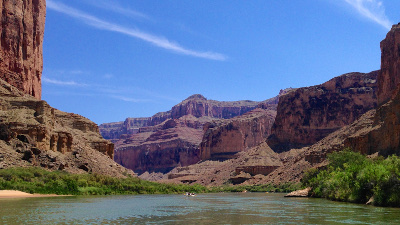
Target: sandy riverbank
(20, 194)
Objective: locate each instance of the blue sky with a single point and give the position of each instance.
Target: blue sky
(112, 59)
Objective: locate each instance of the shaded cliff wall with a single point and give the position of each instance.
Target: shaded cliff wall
(389, 75)
(223, 139)
(306, 115)
(21, 53)
(383, 134)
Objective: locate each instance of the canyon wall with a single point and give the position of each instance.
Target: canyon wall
(176, 140)
(198, 106)
(21, 53)
(32, 133)
(389, 75)
(162, 147)
(383, 133)
(113, 131)
(195, 105)
(223, 139)
(306, 115)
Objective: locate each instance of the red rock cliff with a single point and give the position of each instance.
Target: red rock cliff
(22, 29)
(173, 138)
(382, 134)
(306, 115)
(389, 75)
(223, 139)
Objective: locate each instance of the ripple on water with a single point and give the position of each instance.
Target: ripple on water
(221, 208)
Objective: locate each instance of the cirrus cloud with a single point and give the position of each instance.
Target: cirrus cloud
(373, 10)
(150, 38)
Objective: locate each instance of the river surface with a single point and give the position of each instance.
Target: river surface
(221, 208)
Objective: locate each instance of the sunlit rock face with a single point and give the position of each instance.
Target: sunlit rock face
(389, 75)
(21, 53)
(170, 139)
(306, 115)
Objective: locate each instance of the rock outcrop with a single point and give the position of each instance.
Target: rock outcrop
(22, 30)
(195, 105)
(389, 75)
(159, 147)
(32, 133)
(299, 193)
(306, 115)
(162, 147)
(246, 166)
(113, 131)
(224, 138)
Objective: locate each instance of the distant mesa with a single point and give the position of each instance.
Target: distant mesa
(197, 96)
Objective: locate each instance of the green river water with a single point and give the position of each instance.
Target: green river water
(221, 208)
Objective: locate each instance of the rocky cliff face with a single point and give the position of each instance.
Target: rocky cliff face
(198, 106)
(22, 29)
(195, 105)
(176, 140)
(389, 75)
(223, 139)
(32, 133)
(113, 131)
(306, 115)
(160, 148)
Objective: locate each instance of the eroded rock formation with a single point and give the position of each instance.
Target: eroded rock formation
(32, 133)
(306, 115)
(22, 30)
(389, 75)
(162, 147)
(176, 140)
(223, 139)
(195, 105)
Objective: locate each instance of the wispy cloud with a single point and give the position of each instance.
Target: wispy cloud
(121, 93)
(114, 6)
(127, 99)
(155, 40)
(373, 10)
(62, 83)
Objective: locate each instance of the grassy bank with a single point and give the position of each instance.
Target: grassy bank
(353, 177)
(37, 180)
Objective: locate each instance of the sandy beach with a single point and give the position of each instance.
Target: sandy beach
(20, 194)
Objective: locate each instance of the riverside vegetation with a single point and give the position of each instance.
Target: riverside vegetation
(353, 177)
(37, 180)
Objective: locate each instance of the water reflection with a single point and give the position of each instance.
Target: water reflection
(223, 208)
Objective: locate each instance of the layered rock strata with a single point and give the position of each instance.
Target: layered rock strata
(195, 105)
(306, 115)
(389, 75)
(21, 54)
(32, 133)
(176, 141)
(162, 147)
(224, 138)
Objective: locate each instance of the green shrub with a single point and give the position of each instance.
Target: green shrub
(352, 177)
